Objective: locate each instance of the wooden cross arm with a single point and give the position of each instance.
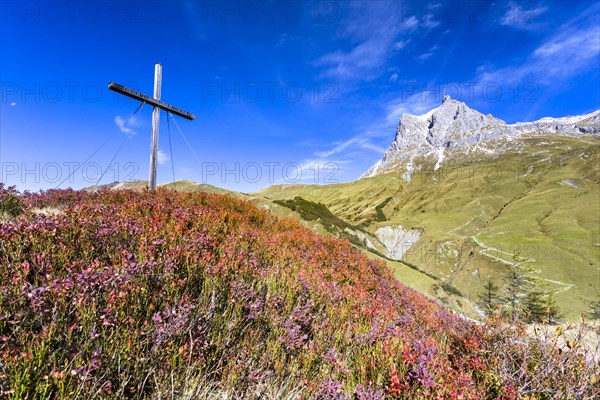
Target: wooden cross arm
(115, 87)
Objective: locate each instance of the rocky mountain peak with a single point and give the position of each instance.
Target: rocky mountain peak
(453, 125)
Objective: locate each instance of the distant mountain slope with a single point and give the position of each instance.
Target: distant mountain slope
(461, 197)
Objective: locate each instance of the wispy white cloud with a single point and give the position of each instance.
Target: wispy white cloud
(359, 142)
(162, 157)
(415, 104)
(523, 15)
(429, 53)
(282, 40)
(374, 31)
(328, 165)
(127, 125)
(410, 24)
(430, 21)
(575, 47)
(374, 138)
(401, 44)
(195, 19)
(13, 104)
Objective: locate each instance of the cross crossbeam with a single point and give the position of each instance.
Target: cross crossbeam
(158, 105)
(115, 87)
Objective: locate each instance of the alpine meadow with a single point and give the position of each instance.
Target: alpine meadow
(298, 200)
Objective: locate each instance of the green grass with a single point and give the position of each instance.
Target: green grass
(541, 203)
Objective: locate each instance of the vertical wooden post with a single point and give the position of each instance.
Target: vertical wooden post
(155, 125)
(158, 105)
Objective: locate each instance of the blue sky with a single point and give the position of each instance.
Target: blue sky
(283, 91)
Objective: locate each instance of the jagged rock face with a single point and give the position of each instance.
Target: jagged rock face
(397, 240)
(453, 126)
(583, 124)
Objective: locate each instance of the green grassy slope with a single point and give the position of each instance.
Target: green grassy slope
(540, 204)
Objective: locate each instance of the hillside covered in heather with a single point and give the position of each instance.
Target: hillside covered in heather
(123, 294)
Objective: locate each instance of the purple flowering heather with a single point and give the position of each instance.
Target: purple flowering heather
(363, 393)
(332, 390)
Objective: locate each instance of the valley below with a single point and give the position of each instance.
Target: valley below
(469, 222)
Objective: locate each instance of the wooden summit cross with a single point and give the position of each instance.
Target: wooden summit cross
(158, 105)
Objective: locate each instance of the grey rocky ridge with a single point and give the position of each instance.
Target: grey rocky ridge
(453, 128)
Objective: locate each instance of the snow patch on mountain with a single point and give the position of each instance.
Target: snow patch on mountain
(440, 159)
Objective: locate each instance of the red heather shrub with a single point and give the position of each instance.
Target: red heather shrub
(149, 294)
